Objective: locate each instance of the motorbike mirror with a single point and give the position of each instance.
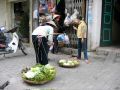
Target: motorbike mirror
(2, 28)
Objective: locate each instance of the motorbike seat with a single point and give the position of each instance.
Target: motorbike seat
(2, 45)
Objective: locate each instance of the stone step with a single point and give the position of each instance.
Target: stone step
(73, 53)
(107, 50)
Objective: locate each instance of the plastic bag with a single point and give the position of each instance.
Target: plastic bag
(61, 37)
(51, 47)
(66, 39)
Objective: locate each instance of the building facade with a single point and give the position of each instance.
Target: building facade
(16, 13)
(103, 23)
(101, 16)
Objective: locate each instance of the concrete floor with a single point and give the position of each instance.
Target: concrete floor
(101, 74)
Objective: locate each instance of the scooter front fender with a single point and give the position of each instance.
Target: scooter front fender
(14, 43)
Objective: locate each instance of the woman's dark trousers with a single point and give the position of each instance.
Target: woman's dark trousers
(41, 49)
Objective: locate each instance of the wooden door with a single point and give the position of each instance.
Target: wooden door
(106, 28)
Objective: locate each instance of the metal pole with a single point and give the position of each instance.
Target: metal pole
(30, 21)
(38, 12)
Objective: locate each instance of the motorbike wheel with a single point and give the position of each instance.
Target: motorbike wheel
(22, 48)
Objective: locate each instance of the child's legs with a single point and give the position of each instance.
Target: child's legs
(85, 49)
(79, 48)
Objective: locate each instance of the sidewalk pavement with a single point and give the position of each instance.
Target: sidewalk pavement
(100, 74)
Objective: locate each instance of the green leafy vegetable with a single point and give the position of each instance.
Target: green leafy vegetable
(40, 72)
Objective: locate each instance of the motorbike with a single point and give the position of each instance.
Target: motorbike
(10, 46)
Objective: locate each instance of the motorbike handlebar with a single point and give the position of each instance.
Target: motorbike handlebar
(11, 30)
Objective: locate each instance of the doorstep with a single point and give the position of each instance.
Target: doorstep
(108, 50)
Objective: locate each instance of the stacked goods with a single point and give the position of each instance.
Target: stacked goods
(39, 74)
(68, 63)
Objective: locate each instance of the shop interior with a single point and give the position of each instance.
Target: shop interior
(21, 14)
(116, 23)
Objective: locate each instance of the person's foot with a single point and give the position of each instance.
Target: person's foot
(76, 58)
(87, 61)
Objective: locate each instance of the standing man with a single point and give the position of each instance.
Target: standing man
(82, 38)
(56, 19)
(42, 37)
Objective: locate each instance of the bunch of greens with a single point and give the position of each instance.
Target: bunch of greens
(39, 73)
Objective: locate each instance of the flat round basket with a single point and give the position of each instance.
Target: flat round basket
(66, 65)
(33, 82)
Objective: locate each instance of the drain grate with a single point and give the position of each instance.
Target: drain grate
(4, 85)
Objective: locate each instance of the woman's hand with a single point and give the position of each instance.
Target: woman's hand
(82, 40)
(50, 43)
(74, 28)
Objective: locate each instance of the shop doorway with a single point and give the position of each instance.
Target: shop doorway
(21, 18)
(70, 5)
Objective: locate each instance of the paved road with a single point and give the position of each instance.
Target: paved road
(102, 74)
